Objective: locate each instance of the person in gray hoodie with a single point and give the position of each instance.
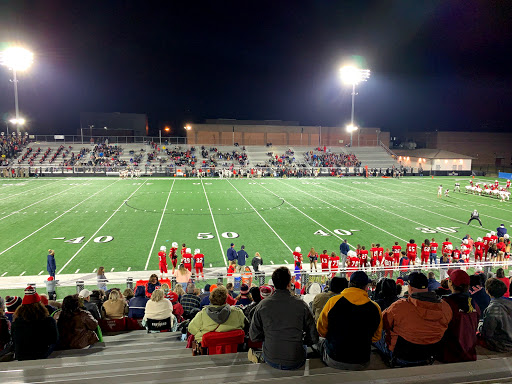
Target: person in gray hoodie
(217, 317)
(495, 327)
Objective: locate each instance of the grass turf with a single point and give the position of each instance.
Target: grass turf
(121, 224)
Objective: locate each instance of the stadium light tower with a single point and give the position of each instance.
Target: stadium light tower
(17, 59)
(351, 75)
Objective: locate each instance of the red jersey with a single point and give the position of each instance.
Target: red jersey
(388, 261)
(479, 246)
(231, 270)
(354, 263)
(187, 261)
(464, 249)
(487, 241)
(373, 252)
(508, 183)
(501, 246)
(183, 251)
(380, 254)
(494, 239)
(456, 255)
(396, 251)
(445, 249)
(363, 255)
(324, 260)
(162, 258)
(335, 262)
(297, 257)
(433, 247)
(411, 250)
(425, 250)
(172, 253)
(199, 259)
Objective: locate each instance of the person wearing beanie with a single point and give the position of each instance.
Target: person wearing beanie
(51, 267)
(76, 325)
(336, 286)
(414, 325)
(244, 298)
(34, 332)
(11, 304)
(50, 287)
(459, 340)
(348, 324)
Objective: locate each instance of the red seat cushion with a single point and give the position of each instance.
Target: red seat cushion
(113, 325)
(223, 342)
(133, 324)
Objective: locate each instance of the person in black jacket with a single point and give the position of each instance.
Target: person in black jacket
(34, 332)
(256, 262)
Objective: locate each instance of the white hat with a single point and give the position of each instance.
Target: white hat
(84, 293)
(175, 245)
(506, 236)
(197, 251)
(351, 254)
(493, 233)
(465, 241)
(449, 246)
(479, 239)
(162, 248)
(297, 249)
(188, 250)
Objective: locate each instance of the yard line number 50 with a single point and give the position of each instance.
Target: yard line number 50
(208, 235)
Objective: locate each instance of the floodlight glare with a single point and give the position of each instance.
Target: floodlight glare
(353, 76)
(17, 58)
(188, 127)
(17, 121)
(351, 128)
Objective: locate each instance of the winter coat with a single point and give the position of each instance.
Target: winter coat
(50, 264)
(482, 299)
(32, 339)
(76, 331)
(496, 325)
(319, 302)
(115, 309)
(152, 286)
(218, 318)
(241, 257)
(256, 262)
(158, 310)
(5, 332)
(137, 304)
(421, 319)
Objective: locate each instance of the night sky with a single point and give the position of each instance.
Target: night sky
(436, 65)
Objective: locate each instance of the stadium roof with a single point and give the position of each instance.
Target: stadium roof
(431, 154)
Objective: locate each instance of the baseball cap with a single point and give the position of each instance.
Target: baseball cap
(400, 281)
(418, 280)
(360, 278)
(232, 244)
(459, 277)
(84, 293)
(31, 296)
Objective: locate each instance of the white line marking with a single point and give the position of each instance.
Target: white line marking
(58, 217)
(3, 274)
(22, 273)
(58, 238)
(40, 273)
(214, 225)
(129, 268)
(211, 265)
(77, 270)
(95, 233)
(271, 262)
(286, 262)
(159, 224)
(21, 193)
(261, 217)
(94, 270)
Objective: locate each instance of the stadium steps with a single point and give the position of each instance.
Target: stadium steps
(373, 157)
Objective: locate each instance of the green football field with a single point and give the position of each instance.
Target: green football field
(121, 224)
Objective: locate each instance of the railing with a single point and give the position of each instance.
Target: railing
(389, 151)
(91, 140)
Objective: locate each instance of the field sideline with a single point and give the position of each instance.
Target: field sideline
(121, 224)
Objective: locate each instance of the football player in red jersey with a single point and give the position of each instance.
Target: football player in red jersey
(199, 263)
(183, 249)
(334, 260)
(494, 237)
(324, 261)
(425, 252)
(373, 256)
(173, 256)
(487, 243)
(363, 257)
(444, 249)
(352, 263)
(162, 261)
(380, 253)
(507, 188)
(396, 252)
(186, 259)
(297, 257)
(389, 260)
(456, 255)
(433, 252)
(411, 248)
(479, 249)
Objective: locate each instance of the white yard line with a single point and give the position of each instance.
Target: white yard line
(129, 269)
(310, 218)
(261, 217)
(78, 270)
(214, 225)
(3, 274)
(58, 217)
(159, 224)
(37, 202)
(22, 273)
(99, 229)
(40, 273)
(22, 193)
(348, 213)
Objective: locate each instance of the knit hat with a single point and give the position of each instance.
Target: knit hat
(44, 299)
(31, 296)
(12, 302)
(266, 291)
(244, 289)
(212, 287)
(172, 296)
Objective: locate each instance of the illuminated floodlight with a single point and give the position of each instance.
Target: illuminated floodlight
(187, 127)
(17, 58)
(352, 75)
(20, 121)
(167, 129)
(351, 128)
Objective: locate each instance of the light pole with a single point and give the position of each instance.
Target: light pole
(187, 128)
(17, 59)
(352, 76)
(351, 128)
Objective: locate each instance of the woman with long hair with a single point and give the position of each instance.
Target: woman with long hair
(34, 332)
(101, 278)
(313, 257)
(178, 289)
(153, 283)
(244, 298)
(182, 275)
(500, 275)
(76, 325)
(115, 307)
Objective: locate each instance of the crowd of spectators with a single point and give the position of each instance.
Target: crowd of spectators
(325, 158)
(288, 158)
(10, 146)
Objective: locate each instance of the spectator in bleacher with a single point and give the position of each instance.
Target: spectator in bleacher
(11, 304)
(459, 340)
(217, 317)
(443, 289)
(5, 330)
(190, 302)
(348, 324)
(206, 292)
(433, 284)
(478, 293)
(101, 279)
(336, 286)
(85, 294)
(76, 325)
(153, 283)
(115, 307)
(244, 298)
(34, 332)
(128, 294)
(387, 293)
(97, 298)
(137, 305)
(178, 289)
(159, 308)
(414, 326)
(500, 275)
(286, 325)
(495, 327)
(256, 297)
(182, 275)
